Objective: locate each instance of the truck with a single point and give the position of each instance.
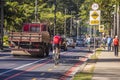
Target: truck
(33, 40)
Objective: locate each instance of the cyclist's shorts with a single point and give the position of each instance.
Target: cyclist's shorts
(56, 45)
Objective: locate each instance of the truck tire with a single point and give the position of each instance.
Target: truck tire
(42, 52)
(47, 51)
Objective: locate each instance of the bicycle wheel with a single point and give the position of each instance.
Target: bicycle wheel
(56, 56)
(56, 59)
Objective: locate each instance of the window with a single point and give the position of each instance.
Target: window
(35, 29)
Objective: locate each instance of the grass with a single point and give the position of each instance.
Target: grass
(87, 73)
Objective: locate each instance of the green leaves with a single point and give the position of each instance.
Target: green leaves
(18, 12)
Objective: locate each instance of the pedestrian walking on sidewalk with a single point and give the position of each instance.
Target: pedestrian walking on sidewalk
(109, 42)
(88, 42)
(104, 41)
(116, 45)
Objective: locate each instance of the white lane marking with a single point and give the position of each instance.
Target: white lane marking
(21, 67)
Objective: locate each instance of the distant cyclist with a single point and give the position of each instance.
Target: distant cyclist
(56, 47)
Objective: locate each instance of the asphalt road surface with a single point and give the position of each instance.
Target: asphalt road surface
(29, 68)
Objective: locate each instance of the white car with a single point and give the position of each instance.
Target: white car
(70, 42)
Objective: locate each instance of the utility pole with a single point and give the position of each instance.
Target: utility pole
(2, 23)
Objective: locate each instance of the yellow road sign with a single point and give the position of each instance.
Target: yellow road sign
(94, 21)
(95, 17)
(101, 28)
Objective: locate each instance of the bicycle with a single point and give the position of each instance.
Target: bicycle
(56, 55)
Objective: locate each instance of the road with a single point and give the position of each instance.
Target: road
(29, 68)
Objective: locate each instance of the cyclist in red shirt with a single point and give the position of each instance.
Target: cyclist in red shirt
(56, 46)
(56, 42)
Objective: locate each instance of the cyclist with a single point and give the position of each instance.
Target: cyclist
(56, 47)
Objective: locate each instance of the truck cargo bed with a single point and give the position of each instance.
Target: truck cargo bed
(28, 37)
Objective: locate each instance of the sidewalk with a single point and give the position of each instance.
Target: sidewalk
(107, 67)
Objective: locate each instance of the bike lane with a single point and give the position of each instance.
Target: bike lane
(69, 65)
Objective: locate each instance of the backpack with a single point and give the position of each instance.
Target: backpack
(56, 39)
(109, 40)
(115, 41)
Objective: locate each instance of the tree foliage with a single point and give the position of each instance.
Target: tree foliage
(17, 12)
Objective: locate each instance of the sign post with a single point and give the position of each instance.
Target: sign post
(94, 18)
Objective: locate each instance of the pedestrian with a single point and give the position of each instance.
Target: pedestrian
(88, 42)
(116, 45)
(109, 42)
(104, 41)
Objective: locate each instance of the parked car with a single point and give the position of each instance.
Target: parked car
(71, 42)
(80, 42)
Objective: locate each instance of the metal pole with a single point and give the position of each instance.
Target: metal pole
(90, 28)
(94, 37)
(71, 25)
(77, 29)
(55, 17)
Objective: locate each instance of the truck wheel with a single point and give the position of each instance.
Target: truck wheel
(47, 51)
(15, 55)
(41, 53)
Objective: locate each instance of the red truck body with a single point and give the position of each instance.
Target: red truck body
(34, 40)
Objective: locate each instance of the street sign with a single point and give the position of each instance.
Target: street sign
(101, 28)
(95, 17)
(95, 6)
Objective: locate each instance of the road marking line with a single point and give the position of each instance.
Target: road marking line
(42, 74)
(34, 79)
(21, 67)
(55, 66)
(29, 69)
(50, 69)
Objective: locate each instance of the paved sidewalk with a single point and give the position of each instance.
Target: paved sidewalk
(107, 67)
